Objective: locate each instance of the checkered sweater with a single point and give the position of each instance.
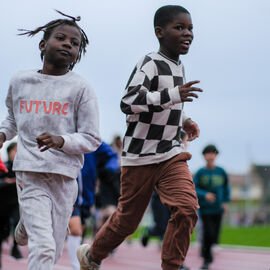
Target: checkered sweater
(153, 107)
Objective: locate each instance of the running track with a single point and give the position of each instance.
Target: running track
(134, 257)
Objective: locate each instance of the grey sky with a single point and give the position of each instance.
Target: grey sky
(229, 55)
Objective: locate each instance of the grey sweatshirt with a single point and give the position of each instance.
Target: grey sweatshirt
(61, 105)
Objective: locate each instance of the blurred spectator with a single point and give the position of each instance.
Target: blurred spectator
(213, 190)
(103, 164)
(9, 207)
(117, 146)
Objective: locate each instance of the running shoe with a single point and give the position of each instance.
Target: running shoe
(85, 264)
(20, 234)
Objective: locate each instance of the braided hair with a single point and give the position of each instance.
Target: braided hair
(48, 29)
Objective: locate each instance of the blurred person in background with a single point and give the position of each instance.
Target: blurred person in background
(100, 164)
(9, 207)
(213, 191)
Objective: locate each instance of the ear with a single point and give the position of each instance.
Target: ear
(159, 32)
(42, 45)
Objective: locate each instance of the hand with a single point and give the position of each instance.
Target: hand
(2, 139)
(210, 197)
(192, 129)
(186, 91)
(49, 141)
(9, 180)
(225, 208)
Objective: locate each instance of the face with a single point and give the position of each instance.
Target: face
(62, 48)
(176, 37)
(210, 157)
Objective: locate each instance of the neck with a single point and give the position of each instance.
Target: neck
(49, 69)
(168, 54)
(210, 166)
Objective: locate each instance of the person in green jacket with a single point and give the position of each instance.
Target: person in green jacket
(213, 191)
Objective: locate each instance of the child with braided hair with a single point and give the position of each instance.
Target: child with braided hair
(55, 115)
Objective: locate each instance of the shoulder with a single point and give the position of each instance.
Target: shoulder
(81, 83)
(23, 75)
(220, 169)
(200, 171)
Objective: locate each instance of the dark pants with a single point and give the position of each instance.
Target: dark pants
(176, 189)
(161, 215)
(211, 229)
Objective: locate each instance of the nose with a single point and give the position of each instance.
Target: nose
(67, 44)
(188, 33)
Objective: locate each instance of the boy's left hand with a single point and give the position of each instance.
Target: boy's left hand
(49, 141)
(192, 129)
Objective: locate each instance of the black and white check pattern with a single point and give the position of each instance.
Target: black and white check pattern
(154, 111)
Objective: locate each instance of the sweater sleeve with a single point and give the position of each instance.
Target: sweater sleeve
(8, 126)
(200, 192)
(87, 138)
(141, 93)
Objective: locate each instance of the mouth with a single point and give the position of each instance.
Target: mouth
(185, 44)
(64, 52)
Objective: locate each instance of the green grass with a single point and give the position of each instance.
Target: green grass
(239, 236)
(246, 236)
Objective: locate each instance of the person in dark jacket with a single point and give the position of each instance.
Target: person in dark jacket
(213, 191)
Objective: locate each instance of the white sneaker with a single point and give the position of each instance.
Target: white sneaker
(20, 234)
(85, 264)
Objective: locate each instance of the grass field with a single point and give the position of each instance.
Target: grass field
(257, 236)
(246, 236)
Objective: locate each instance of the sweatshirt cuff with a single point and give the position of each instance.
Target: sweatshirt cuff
(66, 145)
(175, 95)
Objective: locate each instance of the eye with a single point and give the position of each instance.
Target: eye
(59, 37)
(179, 27)
(75, 43)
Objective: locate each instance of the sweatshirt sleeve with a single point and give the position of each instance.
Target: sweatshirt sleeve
(200, 192)
(141, 93)
(87, 138)
(8, 126)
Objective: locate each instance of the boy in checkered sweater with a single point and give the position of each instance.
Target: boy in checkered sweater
(153, 153)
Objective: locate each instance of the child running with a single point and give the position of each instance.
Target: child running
(55, 115)
(153, 154)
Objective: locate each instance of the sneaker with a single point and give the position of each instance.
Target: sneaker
(15, 252)
(205, 266)
(183, 267)
(145, 238)
(85, 264)
(20, 234)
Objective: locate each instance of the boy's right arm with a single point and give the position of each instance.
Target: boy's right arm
(140, 97)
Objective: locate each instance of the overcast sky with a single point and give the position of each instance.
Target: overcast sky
(229, 55)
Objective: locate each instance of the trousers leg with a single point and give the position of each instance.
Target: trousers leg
(137, 185)
(40, 195)
(177, 191)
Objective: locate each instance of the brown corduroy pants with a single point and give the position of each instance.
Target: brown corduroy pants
(176, 189)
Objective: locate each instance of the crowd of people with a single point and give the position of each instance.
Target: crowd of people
(64, 169)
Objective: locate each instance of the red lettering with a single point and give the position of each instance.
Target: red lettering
(21, 105)
(56, 107)
(64, 109)
(37, 102)
(45, 108)
(30, 107)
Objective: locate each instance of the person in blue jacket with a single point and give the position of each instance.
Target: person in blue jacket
(213, 191)
(102, 164)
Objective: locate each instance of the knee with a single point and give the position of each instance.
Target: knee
(76, 231)
(188, 215)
